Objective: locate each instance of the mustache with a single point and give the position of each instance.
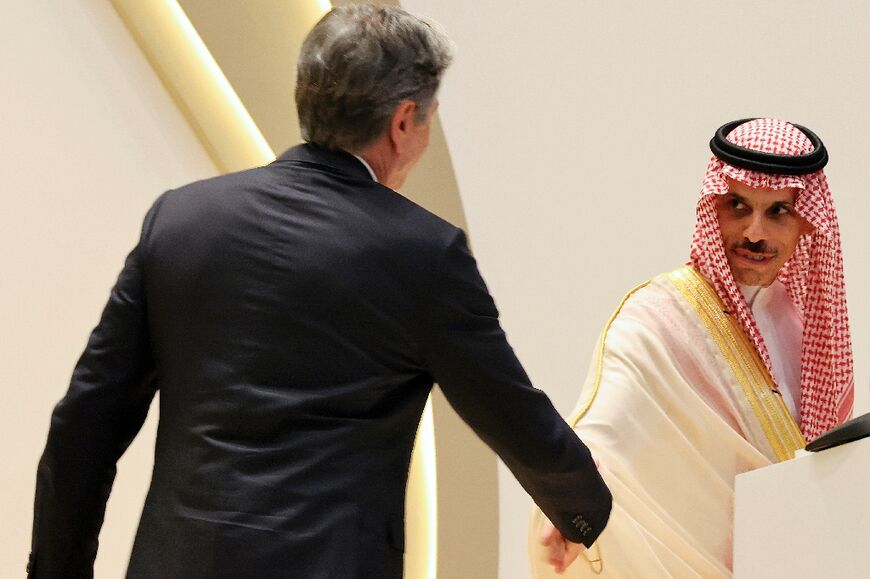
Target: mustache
(755, 246)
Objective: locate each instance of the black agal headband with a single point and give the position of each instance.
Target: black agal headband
(738, 156)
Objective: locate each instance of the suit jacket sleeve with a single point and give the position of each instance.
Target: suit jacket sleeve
(470, 358)
(108, 398)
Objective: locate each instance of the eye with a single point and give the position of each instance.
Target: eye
(780, 209)
(736, 203)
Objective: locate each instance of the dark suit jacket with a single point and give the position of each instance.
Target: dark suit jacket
(293, 318)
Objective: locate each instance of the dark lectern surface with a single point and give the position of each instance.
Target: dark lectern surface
(854, 429)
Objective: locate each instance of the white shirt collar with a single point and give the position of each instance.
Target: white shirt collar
(750, 292)
(368, 167)
(780, 325)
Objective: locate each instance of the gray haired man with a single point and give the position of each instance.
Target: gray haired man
(294, 318)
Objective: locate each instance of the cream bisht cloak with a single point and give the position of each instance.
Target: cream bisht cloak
(677, 402)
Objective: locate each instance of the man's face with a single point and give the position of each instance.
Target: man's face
(760, 230)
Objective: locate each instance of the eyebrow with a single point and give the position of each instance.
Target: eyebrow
(743, 199)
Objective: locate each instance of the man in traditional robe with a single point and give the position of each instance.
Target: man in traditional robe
(727, 364)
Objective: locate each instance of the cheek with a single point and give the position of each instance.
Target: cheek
(729, 229)
(791, 240)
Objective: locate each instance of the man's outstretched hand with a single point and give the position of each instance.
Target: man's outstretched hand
(560, 552)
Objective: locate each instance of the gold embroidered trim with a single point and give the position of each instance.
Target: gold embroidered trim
(759, 388)
(749, 370)
(600, 357)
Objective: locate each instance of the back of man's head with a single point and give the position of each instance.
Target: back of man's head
(357, 64)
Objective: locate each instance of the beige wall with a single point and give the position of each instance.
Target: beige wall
(90, 139)
(579, 130)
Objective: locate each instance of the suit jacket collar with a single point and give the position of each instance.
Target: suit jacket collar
(340, 161)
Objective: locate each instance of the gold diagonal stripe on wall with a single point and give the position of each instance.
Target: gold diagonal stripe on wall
(196, 82)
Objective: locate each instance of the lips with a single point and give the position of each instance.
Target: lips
(753, 258)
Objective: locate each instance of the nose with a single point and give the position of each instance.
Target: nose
(756, 229)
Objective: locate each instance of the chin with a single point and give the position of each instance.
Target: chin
(751, 277)
(755, 280)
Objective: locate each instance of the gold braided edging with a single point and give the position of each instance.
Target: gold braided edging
(600, 357)
(759, 388)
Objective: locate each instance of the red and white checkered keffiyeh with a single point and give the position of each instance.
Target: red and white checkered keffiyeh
(813, 276)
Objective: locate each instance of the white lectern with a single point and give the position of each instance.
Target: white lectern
(807, 518)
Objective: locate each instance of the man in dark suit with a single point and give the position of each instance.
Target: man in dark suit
(294, 318)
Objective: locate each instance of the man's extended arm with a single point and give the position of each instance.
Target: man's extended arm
(470, 358)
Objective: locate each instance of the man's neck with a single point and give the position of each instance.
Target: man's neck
(378, 160)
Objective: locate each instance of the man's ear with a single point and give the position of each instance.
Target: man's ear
(401, 123)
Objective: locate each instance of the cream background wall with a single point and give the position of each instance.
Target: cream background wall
(90, 138)
(578, 132)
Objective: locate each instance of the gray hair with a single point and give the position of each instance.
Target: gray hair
(357, 64)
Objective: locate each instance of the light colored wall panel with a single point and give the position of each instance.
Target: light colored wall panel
(578, 133)
(90, 139)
